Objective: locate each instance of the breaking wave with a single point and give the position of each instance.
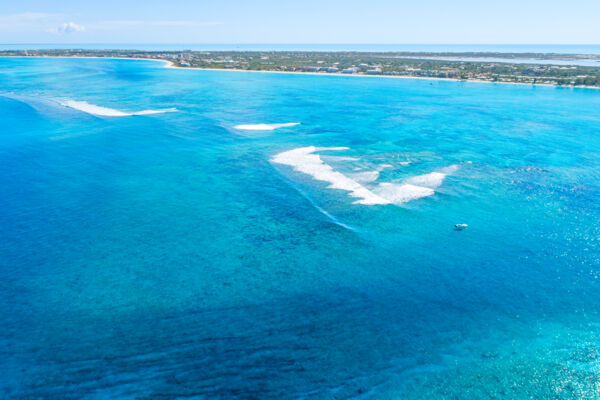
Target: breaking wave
(92, 109)
(432, 180)
(305, 160)
(264, 127)
(402, 193)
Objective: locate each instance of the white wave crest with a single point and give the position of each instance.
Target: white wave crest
(414, 188)
(339, 158)
(433, 180)
(306, 161)
(264, 127)
(86, 107)
(366, 176)
(399, 193)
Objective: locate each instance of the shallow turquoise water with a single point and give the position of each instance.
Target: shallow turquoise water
(169, 256)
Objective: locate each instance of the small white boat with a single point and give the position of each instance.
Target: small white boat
(460, 227)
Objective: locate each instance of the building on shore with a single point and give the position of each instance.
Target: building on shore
(308, 68)
(351, 70)
(374, 71)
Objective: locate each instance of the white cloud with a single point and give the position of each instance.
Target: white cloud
(69, 27)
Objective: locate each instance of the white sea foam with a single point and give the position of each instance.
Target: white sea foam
(366, 176)
(414, 188)
(399, 193)
(304, 160)
(264, 127)
(339, 158)
(86, 107)
(433, 180)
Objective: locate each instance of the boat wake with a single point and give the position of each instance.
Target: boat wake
(92, 109)
(305, 160)
(264, 127)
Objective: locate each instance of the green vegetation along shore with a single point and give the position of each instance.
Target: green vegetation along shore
(552, 69)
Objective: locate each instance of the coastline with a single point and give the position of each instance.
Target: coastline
(170, 64)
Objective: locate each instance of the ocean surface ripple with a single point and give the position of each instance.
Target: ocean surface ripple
(219, 252)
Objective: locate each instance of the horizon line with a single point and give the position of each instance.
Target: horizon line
(308, 43)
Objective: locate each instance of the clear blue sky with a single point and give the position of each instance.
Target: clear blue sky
(306, 21)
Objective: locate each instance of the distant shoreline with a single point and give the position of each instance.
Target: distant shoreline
(170, 64)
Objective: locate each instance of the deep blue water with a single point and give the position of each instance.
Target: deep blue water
(170, 256)
(451, 48)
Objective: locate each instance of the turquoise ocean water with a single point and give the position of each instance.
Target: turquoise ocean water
(176, 254)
